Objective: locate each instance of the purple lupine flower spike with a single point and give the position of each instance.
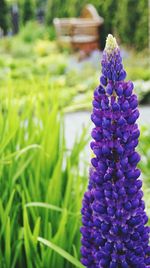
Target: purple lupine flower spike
(114, 234)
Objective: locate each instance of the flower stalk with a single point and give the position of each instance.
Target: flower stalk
(114, 231)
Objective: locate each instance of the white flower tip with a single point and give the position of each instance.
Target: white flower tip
(111, 43)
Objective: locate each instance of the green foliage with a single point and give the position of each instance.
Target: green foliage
(141, 35)
(3, 16)
(43, 186)
(60, 9)
(35, 62)
(126, 20)
(33, 31)
(106, 9)
(28, 10)
(138, 73)
(144, 148)
(131, 22)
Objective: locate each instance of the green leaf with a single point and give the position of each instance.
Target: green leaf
(49, 206)
(22, 168)
(61, 252)
(7, 243)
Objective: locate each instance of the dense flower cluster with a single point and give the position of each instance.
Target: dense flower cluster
(114, 234)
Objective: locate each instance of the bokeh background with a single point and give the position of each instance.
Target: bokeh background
(46, 89)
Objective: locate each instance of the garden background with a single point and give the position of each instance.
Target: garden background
(45, 104)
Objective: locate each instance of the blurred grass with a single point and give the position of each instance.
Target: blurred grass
(32, 62)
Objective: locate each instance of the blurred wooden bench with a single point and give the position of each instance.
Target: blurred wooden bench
(81, 33)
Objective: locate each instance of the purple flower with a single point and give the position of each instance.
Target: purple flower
(114, 234)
